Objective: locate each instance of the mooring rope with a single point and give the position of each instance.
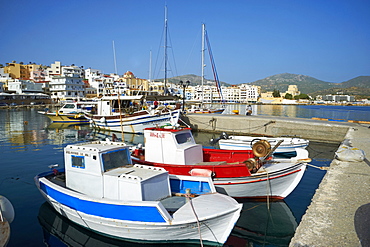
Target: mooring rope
(196, 217)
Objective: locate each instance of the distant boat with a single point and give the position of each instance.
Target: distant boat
(70, 112)
(237, 173)
(289, 144)
(123, 114)
(101, 190)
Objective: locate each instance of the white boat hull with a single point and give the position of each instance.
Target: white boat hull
(246, 143)
(217, 215)
(277, 183)
(135, 124)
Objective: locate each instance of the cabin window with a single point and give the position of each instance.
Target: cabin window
(115, 159)
(184, 138)
(78, 161)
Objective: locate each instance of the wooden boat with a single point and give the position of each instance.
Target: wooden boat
(72, 112)
(289, 144)
(102, 191)
(237, 173)
(121, 113)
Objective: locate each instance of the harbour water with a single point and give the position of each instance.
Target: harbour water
(30, 143)
(329, 112)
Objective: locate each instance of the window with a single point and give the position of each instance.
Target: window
(115, 159)
(183, 138)
(78, 161)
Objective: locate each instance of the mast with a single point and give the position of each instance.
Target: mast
(203, 65)
(114, 58)
(165, 50)
(150, 66)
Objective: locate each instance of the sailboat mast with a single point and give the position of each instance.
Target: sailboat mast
(165, 50)
(114, 58)
(150, 66)
(203, 65)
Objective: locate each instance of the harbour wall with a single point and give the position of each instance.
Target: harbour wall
(339, 212)
(315, 130)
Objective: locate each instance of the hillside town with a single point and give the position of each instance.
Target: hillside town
(35, 83)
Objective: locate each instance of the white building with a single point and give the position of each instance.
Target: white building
(235, 94)
(24, 86)
(66, 87)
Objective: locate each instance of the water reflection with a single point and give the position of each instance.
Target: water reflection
(59, 231)
(267, 223)
(260, 223)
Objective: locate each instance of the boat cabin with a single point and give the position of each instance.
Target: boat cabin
(172, 146)
(109, 105)
(77, 107)
(104, 170)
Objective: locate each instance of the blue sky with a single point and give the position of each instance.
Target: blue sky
(250, 39)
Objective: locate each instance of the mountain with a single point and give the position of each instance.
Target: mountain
(360, 81)
(358, 87)
(305, 84)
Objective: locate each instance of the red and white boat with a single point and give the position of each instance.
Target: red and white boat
(237, 173)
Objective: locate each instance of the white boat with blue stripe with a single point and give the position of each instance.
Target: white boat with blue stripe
(287, 147)
(126, 114)
(101, 190)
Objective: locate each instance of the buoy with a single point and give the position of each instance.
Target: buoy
(102, 120)
(6, 210)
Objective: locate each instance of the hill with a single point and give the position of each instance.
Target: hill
(306, 84)
(358, 87)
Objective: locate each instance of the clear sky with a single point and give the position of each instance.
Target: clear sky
(250, 39)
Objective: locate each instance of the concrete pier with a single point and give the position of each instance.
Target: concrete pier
(315, 130)
(329, 220)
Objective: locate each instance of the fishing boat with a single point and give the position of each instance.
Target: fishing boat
(125, 114)
(237, 173)
(70, 112)
(101, 190)
(6, 217)
(288, 147)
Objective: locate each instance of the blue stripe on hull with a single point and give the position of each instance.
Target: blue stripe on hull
(111, 211)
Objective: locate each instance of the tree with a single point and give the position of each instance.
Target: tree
(276, 93)
(288, 96)
(302, 96)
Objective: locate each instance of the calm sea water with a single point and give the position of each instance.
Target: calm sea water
(335, 113)
(29, 142)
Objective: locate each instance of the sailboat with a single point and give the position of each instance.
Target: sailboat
(199, 108)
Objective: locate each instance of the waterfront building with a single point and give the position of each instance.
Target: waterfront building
(24, 86)
(20, 70)
(338, 98)
(293, 90)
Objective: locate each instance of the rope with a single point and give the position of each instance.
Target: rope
(196, 217)
(319, 167)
